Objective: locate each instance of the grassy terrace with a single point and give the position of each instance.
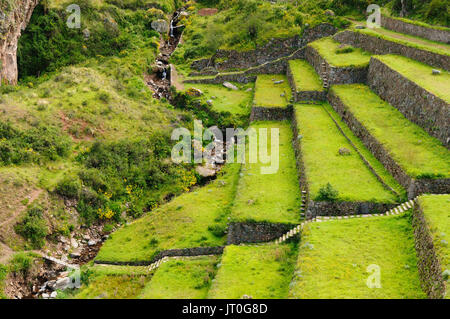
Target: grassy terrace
(421, 74)
(419, 154)
(270, 197)
(194, 219)
(263, 272)
(323, 164)
(269, 94)
(328, 49)
(226, 100)
(334, 257)
(436, 209)
(305, 77)
(187, 278)
(111, 282)
(408, 40)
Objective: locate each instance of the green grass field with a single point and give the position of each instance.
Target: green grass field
(269, 197)
(436, 209)
(226, 100)
(193, 219)
(305, 77)
(419, 154)
(327, 47)
(421, 74)
(323, 164)
(334, 257)
(186, 278)
(262, 272)
(269, 94)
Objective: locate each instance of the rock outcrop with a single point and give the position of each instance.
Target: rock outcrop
(14, 18)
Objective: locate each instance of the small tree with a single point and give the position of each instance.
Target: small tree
(327, 193)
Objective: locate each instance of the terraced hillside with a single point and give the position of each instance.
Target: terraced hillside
(343, 191)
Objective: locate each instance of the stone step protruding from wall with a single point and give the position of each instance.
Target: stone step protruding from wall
(297, 230)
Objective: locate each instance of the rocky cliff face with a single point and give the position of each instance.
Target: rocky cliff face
(14, 18)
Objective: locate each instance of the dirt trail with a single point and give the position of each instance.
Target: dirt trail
(31, 198)
(5, 253)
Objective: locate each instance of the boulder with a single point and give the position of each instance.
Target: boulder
(436, 72)
(204, 171)
(278, 82)
(344, 151)
(63, 283)
(194, 92)
(230, 86)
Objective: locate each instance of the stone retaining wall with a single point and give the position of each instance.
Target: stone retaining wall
(378, 45)
(270, 113)
(430, 270)
(335, 75)
(322, 208)
(416, 30)
(185, 252)
(413, 186)
(301, 170)
(416, 104)
(274, 49)
(255, 232)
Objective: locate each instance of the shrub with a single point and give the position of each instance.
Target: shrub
(33, 227)
(21, 263)
(327, 193)
(69, 187)
(345, 49)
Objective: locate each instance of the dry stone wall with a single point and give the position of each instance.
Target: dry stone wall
(255, 232)
(430, 270)
(416, 30)
(414, 102)
(378, 45)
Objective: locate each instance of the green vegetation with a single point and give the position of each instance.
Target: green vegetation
(305, 77)
(334, 258)
(324, 164)
(245, 25)
(432, 11)
(36, 145)
(262, 272)
(195, 219)
(379, 168)
(407, 40)
(436, 209)
(3, 274)
(421, 74)
(21, 263)
(272, 197)
(187, 278)
(329, 50)
(226, 100)
(420, 155)
(269, 94)
(33, 227)
(114, 26)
